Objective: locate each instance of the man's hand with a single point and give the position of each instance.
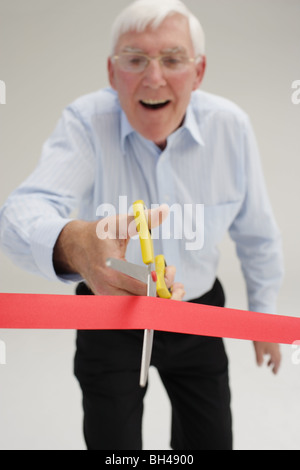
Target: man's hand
(270, 349)
(177, 289)
(84, 247)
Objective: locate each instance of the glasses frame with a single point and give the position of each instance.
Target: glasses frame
(149, 59)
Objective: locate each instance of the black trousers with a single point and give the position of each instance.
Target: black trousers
(193, 369)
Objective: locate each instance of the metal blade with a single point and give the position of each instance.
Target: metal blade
(148, 335)
(146, 356)
(144, 274)
(151, 285)
(141, 273)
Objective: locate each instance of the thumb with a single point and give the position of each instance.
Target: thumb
(155, 217)
(123, 226)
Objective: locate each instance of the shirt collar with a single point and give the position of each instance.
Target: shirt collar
(189, 123)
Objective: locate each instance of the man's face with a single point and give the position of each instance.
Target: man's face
(142, 95)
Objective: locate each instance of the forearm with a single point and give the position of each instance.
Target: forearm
(263, 272)
(69, 253)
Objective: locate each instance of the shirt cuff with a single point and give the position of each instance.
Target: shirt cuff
(270, 307)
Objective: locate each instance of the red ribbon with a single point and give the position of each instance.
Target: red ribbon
(70, 312)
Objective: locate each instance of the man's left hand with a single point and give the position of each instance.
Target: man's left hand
(177, 289)
(268, 349)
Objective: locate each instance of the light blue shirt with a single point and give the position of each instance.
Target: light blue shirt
(209, 174)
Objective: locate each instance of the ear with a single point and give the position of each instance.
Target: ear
(200, 71)
(111, 73)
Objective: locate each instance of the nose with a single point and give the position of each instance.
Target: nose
(154, 75)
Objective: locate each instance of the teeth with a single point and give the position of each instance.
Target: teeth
(154, 102)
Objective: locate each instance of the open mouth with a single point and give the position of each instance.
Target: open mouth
(154, 104)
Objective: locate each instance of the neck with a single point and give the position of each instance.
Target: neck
(161, 145)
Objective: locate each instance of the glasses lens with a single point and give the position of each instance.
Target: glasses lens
(138, 62)
(133, 62)
(174, 62)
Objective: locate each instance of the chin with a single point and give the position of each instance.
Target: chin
(155, 134)
(157, 139)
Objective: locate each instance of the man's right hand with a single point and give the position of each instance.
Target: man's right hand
(83, 248)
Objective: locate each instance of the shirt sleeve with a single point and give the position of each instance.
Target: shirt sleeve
(35, 213)
(256, 234)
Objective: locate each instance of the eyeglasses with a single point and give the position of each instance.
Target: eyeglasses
(137, 62)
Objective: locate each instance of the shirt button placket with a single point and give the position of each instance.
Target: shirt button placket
(166, 194)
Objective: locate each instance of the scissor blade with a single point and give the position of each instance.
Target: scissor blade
(151, 285)
(146, 356)
(148, 335)
(133, 270)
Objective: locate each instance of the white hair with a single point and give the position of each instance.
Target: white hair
(142, 13)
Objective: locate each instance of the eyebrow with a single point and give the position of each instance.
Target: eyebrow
(133, 50)
(173, 50)
(136, 50)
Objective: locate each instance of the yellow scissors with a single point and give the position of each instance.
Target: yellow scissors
(153, 274)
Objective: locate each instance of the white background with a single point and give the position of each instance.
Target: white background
(53, 51)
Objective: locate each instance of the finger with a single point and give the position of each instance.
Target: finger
(275, 362)
(274, 353)
(155, 218)
(259, 357)
(112, 228)
(123, 226)
(276, 368)
(178, 291)
(170, 276)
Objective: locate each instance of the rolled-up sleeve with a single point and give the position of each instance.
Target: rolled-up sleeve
(256, 234)
(36, 212)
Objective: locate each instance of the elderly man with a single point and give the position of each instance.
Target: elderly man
(153, 136)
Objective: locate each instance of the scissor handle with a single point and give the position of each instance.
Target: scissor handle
(139, 212)
(160, 268)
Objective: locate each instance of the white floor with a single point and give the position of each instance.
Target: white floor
(265, 408)
(40, 401)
